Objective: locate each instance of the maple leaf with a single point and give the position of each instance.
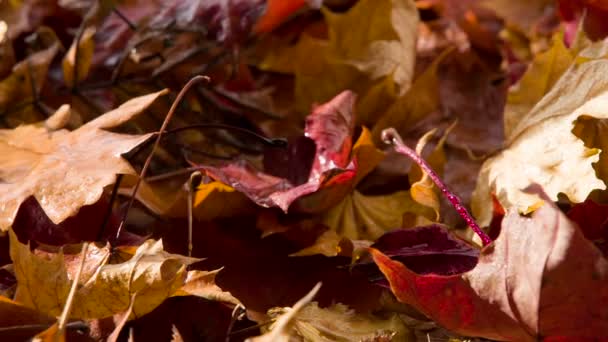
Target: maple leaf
(363, 46)
(150, 275)
(319, 160)
(542, 146)
(62, 169)
(522, 287)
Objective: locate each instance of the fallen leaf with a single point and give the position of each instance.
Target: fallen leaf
(376, 46)
(544, 71)
(65, 170)
(277, 11)
(25, 82)
(105, 289)
(329, 128)
(202, 284)
(80, 67)
(419, 101)
(541, 147)
(371, 41)
(338, 323)
(521, 289)
(52, 334)
(281, 328)
(360, 217)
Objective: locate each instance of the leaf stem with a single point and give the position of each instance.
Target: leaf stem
(390, 136)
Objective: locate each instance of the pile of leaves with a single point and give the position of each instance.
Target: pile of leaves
(239, 170)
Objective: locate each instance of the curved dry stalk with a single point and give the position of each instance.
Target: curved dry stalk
(390, 136)
(193, 81)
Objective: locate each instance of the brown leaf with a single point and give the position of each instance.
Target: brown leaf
(80, 67)
(202, 284)
(540, 278)
(25, 81)
(65, 170)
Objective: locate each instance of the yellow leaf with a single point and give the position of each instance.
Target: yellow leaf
(374, 39)
(378, 37)
(366, 155)
(104, 289)
(86, 47)
(360, 217)
(327, 244)
(541, 147)
(52, 334)
(540, 77)
(63, 169)
(338, 323)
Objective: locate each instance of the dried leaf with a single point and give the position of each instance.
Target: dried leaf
(281, 329)
(65, 170)
(330, 127)
(25, 81)
(360, 217)
(52, 334)
(542, 74)
(338, 323)
(86, 46)
(105, 289)
(372, 40)
(522, 288)
(202, 284)
(541, 148)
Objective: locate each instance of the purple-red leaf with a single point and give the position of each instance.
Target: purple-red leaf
(429, 249)
(321, 158)
(540, 278)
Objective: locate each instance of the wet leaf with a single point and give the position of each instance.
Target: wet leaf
(329, 128)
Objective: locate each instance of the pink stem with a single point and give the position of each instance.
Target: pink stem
(390, 136)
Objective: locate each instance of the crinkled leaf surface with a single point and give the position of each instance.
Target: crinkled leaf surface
(523, 287)
(150, 274)
(63, 169)
(541, 147)
(329, 128)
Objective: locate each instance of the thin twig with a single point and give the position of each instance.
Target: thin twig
(390, 136)
(195, 80)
